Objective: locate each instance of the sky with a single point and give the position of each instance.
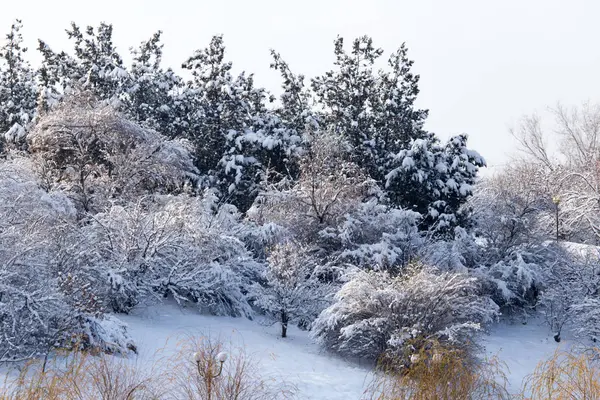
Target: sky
(483, 64)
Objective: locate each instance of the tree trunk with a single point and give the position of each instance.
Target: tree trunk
(284, 323)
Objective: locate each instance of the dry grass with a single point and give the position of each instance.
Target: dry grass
(80, 376)
(565, 376)
(440, 372)
(193, 372)
(198, 375)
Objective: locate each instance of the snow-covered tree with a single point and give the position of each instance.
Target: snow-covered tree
(292, 291)
(375, 313)
(572, 172)
(329, 186)
(435, 180)
(296, 99)
(375, 112)
(95, 66)
(53, 77)
(511, 209)
(17, 87)
(153, 97)
(296, 110)
(40, 306)
(93, 153)
(570, 297)
(237, 138)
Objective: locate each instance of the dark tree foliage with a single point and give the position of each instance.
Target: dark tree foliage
(242, 136)
(17, 88)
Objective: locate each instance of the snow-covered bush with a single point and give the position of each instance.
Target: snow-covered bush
(169, 246)
(375, 313)
(96, 156)
(514, 282)
(460, 253)
(292, 291)
(570, 298)
(38, 311)
(375, 236)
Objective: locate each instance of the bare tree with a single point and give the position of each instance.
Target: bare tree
(532, 140)
(328, 188)
(573, 175)
(91, 152)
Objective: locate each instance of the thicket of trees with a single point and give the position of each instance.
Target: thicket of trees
(331, 207)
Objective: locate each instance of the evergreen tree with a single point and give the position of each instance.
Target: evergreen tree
(152, 97)
(295, 112)
(236, 136)
(375, 111)
(96, 66)
(17, 89)
(54, 76)
(435, 180)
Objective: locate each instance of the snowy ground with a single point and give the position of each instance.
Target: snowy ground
(521, 347)
(295, 360)
(300, 363)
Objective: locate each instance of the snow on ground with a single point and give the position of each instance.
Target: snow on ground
(521, 347)
(295, 360)
(301, 364)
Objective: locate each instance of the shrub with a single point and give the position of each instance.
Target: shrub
(198, 372)
(375, 313)
(167, 246)
(565, 376)
(439, 372)
(80, 376)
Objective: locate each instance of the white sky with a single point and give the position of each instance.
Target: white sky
(483, 64)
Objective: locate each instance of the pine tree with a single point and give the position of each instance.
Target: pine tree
(375, 111)
(17, 88)
(435, 180)
(96, 66)
(237, 137)
(53, 76)
(152, 97)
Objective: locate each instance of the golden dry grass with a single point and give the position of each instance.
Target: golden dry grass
(80, 376)
(191, 373)
(440, 372)
(197, 375)
(565, 376)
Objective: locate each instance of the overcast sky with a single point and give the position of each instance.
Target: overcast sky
(483, 64)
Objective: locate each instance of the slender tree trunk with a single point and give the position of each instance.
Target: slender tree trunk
(284, 323)
(557, 222)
